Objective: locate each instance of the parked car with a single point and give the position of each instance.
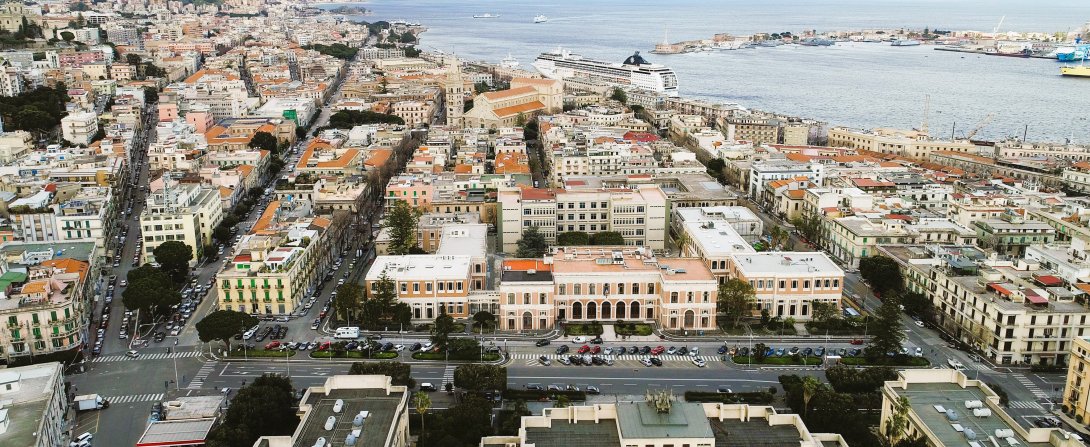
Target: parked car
(646, 361)
(656, 361)
(561, 349)
(132, 353)
(542, 342)
(427, 387)
(591, 389)
(415, 347)
(535, 387)
(545, 361)
(583, 349)
(699, 362)
(272, 345)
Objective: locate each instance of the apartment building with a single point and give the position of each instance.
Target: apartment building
(43, 301)
(602, 159)
(580, 284)
(1077, 176)
(1011, 234)
(1076, 397)
(11, 81)
(713, 241)
(788, 283)
(179, 212)
(80, 128)
(852, 238)
(947, 408)
(762, 172)
(639, 214)
(279, 264)
(35, 406)
(905, 143)
(1013, 312)
(321, 158)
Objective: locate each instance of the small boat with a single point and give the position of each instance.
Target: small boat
(905, 43)
(540, 18)
(509, 62)
(1080, 71)
(486, 15)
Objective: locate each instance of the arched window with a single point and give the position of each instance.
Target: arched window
(607, 311)
(577, 311)
(592, 310)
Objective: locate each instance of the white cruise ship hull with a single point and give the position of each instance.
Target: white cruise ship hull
(652, 77)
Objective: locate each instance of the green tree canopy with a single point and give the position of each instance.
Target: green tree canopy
(173, 258)
(882, 273)
(479, 377)
(888, 332)
(734, 300)
(400, 373)
(484, 318)
(619, 95)
(463, 425)
(403, 222)
(607, 238)
(265, 407)
(264, 141)
(441, 330)
(349, 300)
(152, 293)
(337, 50)
(570, 238)
(532, 244)
(67, 36)
(382, 310)
(223, 324)
(347, 119)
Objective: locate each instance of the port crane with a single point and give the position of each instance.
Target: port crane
(980, 125)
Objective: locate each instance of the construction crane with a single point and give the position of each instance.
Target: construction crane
(980, 125)
(995, 31)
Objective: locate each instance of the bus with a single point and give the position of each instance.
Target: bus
(348, 332)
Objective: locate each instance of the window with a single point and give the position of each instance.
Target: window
(404, 288)
(783, 284)
(794, 283)
(673, 297)
(510, 298)
(427, 287)
(526, 298)
(578, 289)
(563, 289)
(416, 287)
(541, 298)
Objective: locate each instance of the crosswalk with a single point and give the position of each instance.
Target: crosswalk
(198, 379)
(1032, 387)
(448, 376)
(1026, 404)
(156, 356)
(127, 399)
(665, 358)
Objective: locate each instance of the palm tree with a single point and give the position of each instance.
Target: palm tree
(682, 240)
(422, 402)
(778, 236)
(810, 388)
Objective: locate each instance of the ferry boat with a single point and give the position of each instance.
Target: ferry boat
(816, 42)
(509, 62)
(905, 43)
(1081, 71)
(635, 71)
(1072, 53)
(486, 15)
(540, 18)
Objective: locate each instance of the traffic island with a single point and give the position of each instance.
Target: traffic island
(352, 355)
(236, 354)
(468, 356)
(796, 360)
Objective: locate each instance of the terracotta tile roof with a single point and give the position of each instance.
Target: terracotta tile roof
(262, 224)
(521, 108)
(378, 157)
(69, 265)
(537, 194)
(245, 170)
(523, 265)
(537, 81)
(511, 164)
(321, 222)
(34, 287)
(509, 93)
(795, 156)
(795, 194)
(195, 77)
(463, 169)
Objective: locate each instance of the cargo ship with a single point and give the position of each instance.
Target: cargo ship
(905, 43)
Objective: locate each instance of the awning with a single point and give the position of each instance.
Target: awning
(1034, 298)
(1049, 281)
(1002, 289)
(1084, 287)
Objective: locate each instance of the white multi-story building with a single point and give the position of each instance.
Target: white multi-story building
(762, 172)
(179, 212)
(639, 214)
(35, 406)
(788, 283)
(11, 81)
(80, 128)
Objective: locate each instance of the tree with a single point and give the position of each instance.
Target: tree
(734, 300)
(151, 294)
(898, 420)
(440, 331)
(607, 238)
(887, 332)
(153, 71)
(810, 388)
(422, 403)
(563, 401)
(478, 377)
(262, 408)
(917, 304)
(68, 36)
(400, 373)
(809, 226)
(224, 324)
(882, 273)
(778, 235)
(850, 380)
(682, 240)
(532, 244)
(462, 425)
(265, 141)
(758, 352)
(132, 59)
(619, 95)
(573, 238)
(403, 222)
(484, 318)
(349, 300)
(822, 312)
(173, 258)
(512, 419)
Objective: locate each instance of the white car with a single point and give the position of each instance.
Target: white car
(646, 361)
(699, 362)
(399, 348)
(132, 354)
(579, 339)
(918, 323)
(694, 352)
(919, 352)
(427, 347)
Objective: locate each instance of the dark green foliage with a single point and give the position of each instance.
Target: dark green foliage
(347, 119)
(887, 332)
(463, 424)
(440, 331)
(480, 377)
(337, 50)
(401, 373)
(349, 300)
(532, 244)
(882, 273)
(573, 238)
(223, 324)
(854, 380)
(607, 238)
(173, 258)
(264, 408)
(264, 141)
(37, 110)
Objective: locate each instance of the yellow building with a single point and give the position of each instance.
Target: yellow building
(526, 97)
(1077, 391)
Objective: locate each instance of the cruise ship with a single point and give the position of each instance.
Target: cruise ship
(634, 71)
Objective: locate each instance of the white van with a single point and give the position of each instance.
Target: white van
(348, 332)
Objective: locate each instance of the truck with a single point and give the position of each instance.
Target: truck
(88, 402)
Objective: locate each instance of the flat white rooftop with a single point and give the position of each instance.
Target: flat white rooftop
(727, 213)
(787, 263)
(717, 238)
(420, 267)
(464, 239)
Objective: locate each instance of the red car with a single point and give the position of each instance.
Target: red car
(272, 345)
(857, 341)
(596, 349)
(658, 350)
(324, 346)
(583, 349)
